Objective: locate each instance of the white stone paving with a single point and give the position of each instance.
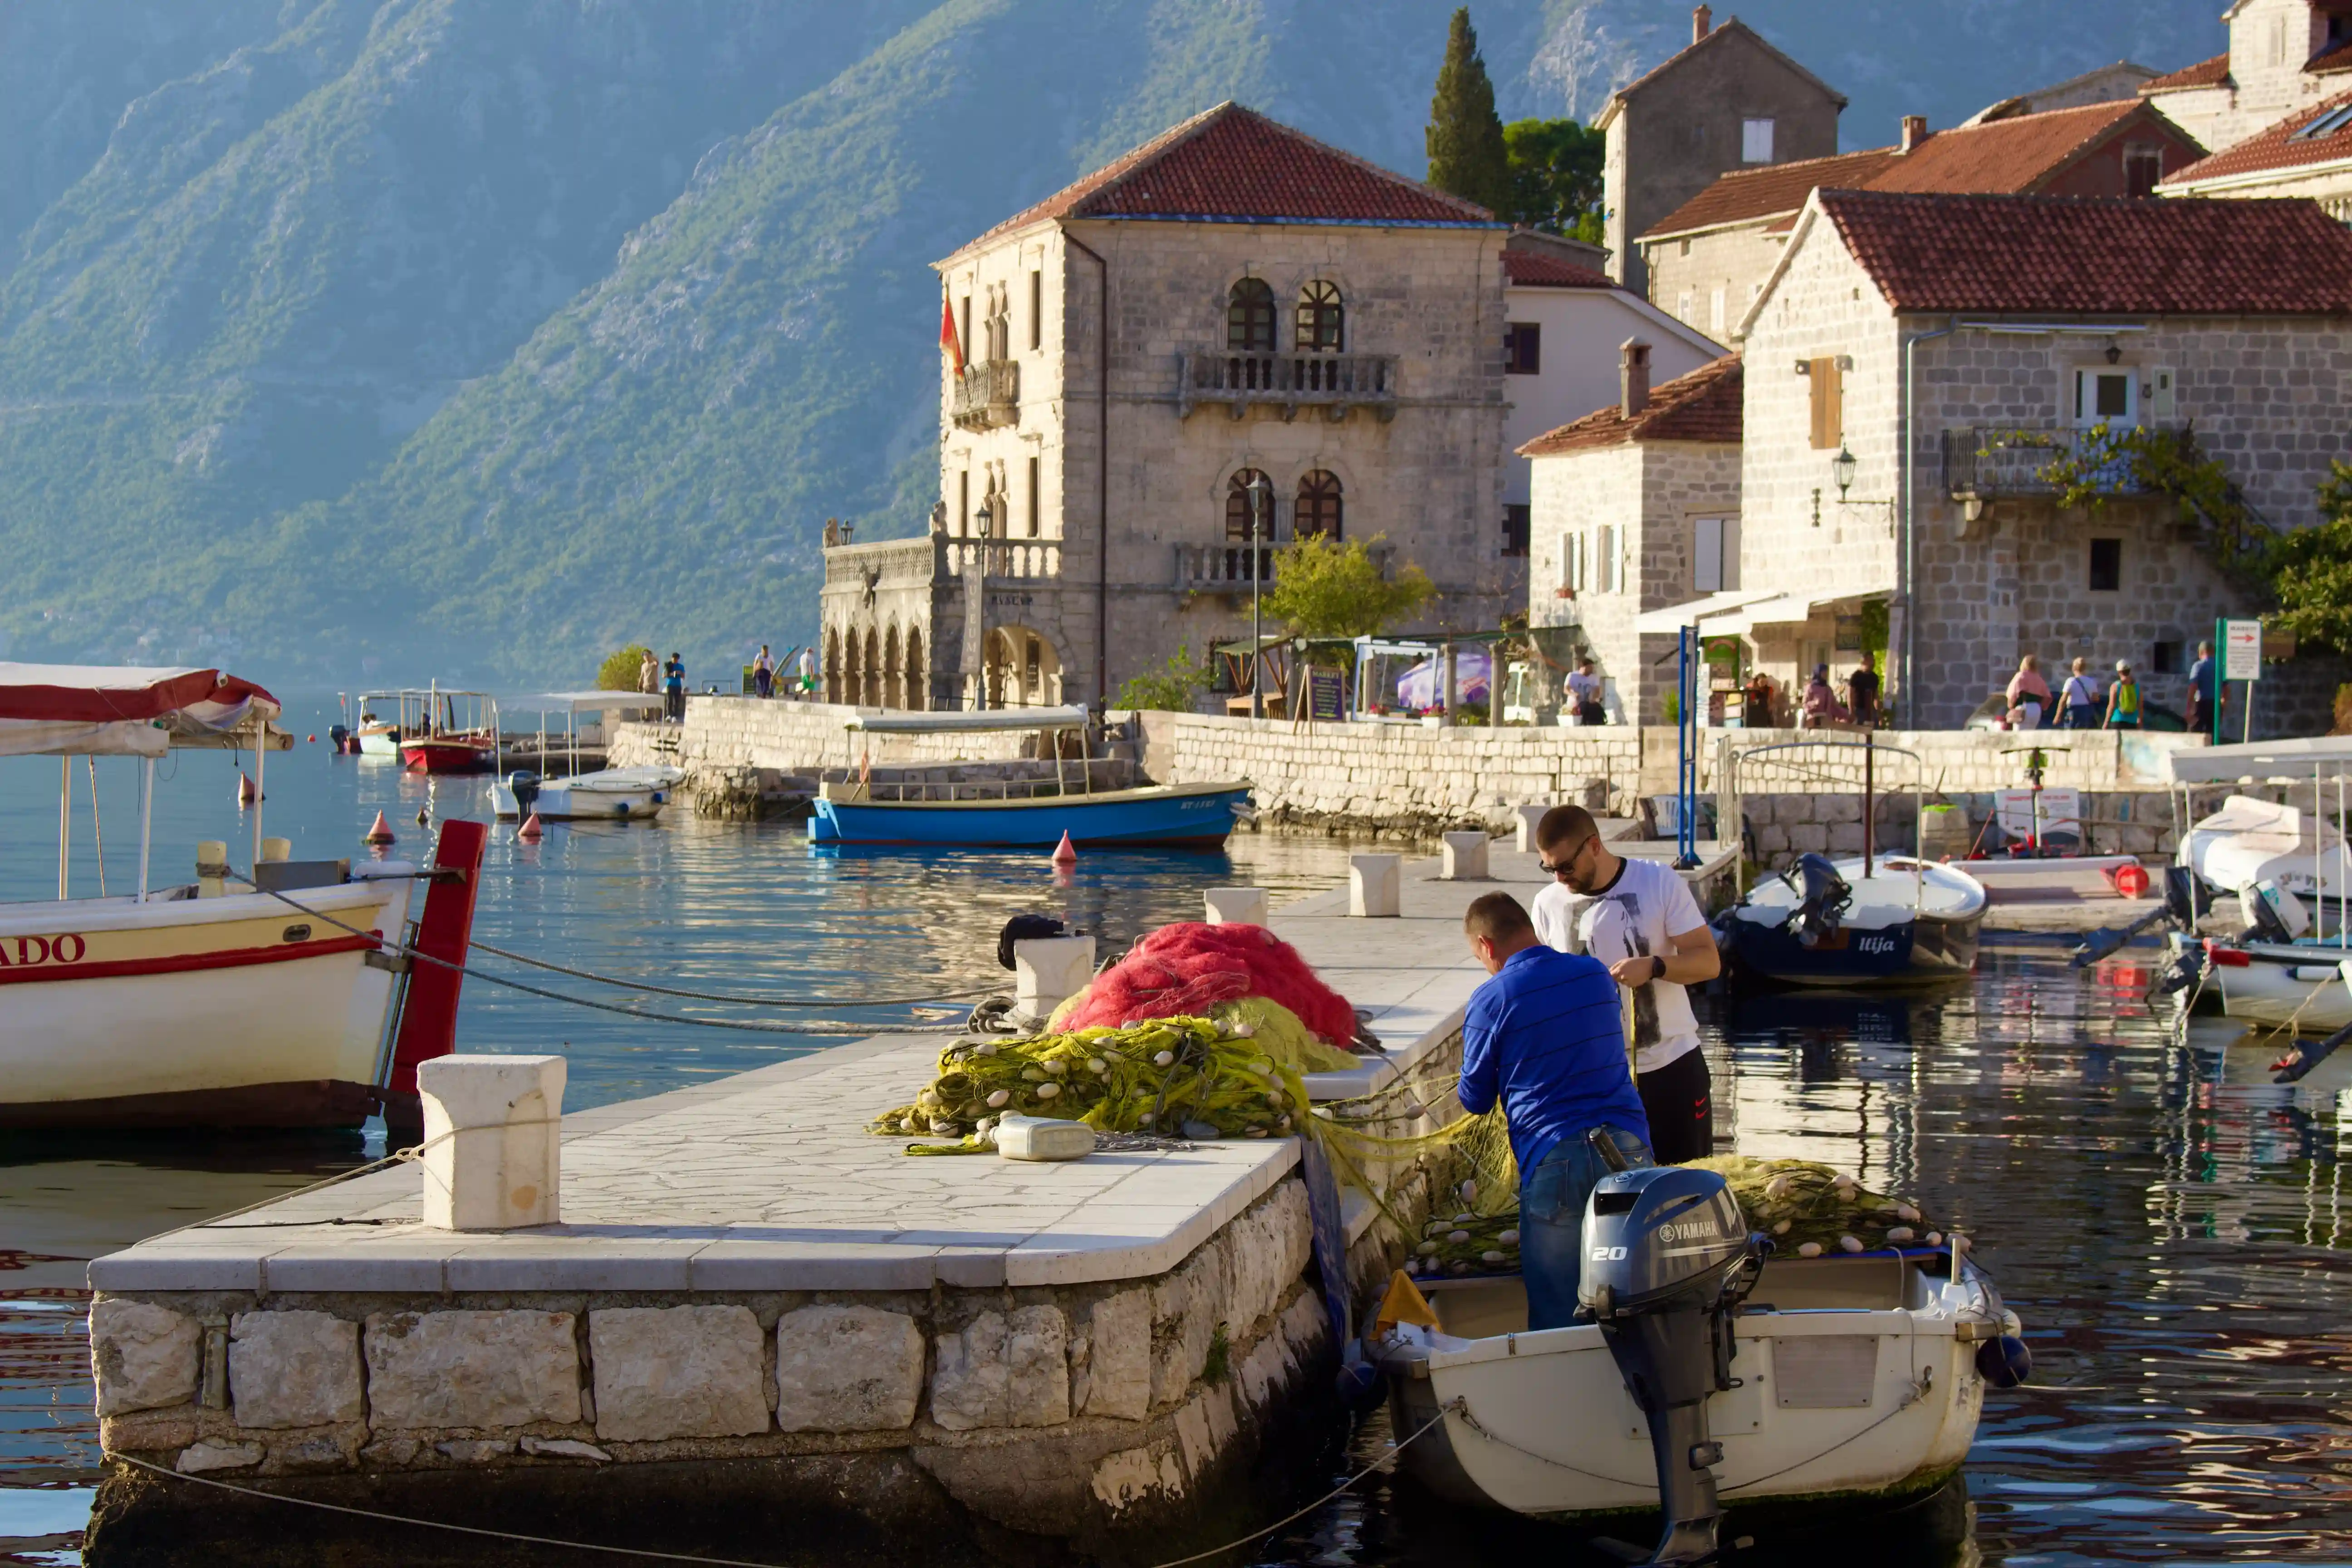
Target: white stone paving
(768, 1181)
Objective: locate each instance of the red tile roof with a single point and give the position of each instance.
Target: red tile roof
(2276, 148)
(1745, 194)
(2014, 154)
(2096, 255)
(1999, 156)
(1703, 405)
(1231, 165)
(2204, 73)
(1533, 270)
(2338, 58)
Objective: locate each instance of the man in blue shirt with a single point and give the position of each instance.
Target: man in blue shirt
(2203, 691)
(1545, 1037)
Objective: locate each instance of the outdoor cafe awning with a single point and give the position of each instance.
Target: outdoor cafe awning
(1744, 611)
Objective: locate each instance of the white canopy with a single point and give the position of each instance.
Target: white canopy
(2262, 760)
(1671, 619)
(992, 719)
(1743, 610)
(71, 709)
(582, 702)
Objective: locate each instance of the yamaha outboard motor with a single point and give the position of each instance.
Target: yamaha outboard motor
(525, 785)
(1668, 1258)
(2271, 913)
(1824, 896)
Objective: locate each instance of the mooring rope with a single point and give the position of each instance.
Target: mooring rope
(965, 994)
(646, 1552)
(829, 1026)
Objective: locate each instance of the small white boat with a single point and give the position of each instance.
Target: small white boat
(1863, 920)
(614, 795)
(204, 1005)
(2249, 841)
(1857, 1378)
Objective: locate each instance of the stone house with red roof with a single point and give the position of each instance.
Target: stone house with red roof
(1124, 363)
(2284, 55)
(1918, 360)
(2308, 153)
(1636, 506)
(1708, 260)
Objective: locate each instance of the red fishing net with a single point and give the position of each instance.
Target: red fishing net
(1191, 967)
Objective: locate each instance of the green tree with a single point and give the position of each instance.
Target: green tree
(1170, 688)
(1555, 177)
(619, 670)
(2310, 570)
(1323, 588)
(1465, 135)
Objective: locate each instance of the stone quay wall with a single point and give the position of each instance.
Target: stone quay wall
(1415, 781)
(1070, 1411)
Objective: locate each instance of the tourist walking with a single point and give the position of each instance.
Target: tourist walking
(2123, 698)
(1584, 693)
(1545, 1038)
(2078, 699)
(648, 675)
(763, 674)
(1639, 918)
(2029, 695)
(1861, 693)
(1823, 708)
(2204, 693)
(674, 685)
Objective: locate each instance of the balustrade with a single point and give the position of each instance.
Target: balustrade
(987, 396)
(1332, 382)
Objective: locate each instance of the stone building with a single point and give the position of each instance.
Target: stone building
(1561, 351)
(2019, 322)
(1636, 506)
(1123, 363)
(2308, 153)
(2105, 84)
(1708, 259)
(1730, 100)
(2284, 55)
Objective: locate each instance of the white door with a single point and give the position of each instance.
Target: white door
(2106, 397)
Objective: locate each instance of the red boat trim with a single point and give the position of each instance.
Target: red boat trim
(182, 963)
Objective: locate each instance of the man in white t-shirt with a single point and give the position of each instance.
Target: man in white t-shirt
(1584, 690)
(1639, 918)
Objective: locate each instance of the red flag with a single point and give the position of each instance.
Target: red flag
(947, 335)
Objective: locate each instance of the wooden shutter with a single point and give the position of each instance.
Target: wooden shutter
(1829, 411)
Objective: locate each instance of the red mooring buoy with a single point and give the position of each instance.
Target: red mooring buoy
(246, 793)
(1065, 853)
(531, 832)
(380, 834)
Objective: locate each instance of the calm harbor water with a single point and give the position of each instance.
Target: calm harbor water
(2180, 1250)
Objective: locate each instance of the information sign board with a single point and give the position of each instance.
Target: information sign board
(2242, 650)
(1326, 694)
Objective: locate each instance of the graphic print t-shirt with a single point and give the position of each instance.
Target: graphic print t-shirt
(1635, 915)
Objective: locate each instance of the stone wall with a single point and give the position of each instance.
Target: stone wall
(1074, 1411)
(1726, 265)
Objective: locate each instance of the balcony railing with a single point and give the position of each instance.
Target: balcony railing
(1333, 382)
(1005, 557)
(987, 396)
(1226, 568)
(1982, 463)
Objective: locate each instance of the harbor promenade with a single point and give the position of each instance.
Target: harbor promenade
(749, 1292)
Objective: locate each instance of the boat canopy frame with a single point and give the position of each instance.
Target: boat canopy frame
(1049, 723)
(572, 704)
(1731, 787)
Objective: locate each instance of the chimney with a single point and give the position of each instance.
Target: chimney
(1633, 378)
(1915, 130)
(1702, 24)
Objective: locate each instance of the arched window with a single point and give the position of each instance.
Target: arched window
(833, 691)
(852, 688)
(1249, 317)
(1321, 317)
(1319, 506)
(890, 691)
(919, 682)
(1238, 502)
(873, 697)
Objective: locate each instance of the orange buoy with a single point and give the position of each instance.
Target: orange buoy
(313, 738)
(2132, 881)
(1065, 853)
(531, 832)
(380, 834)
(246, 793)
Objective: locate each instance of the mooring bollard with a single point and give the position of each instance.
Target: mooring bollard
(492, 1140)
(1375, 886)
(1529, 816)
(1048, 970)
(1465, 858)
(1236, 906)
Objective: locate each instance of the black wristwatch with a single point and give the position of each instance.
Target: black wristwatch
(1659, 970)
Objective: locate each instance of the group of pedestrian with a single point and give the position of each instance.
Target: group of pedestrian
(1822, 710)
(668, 680)
(2079, 703)
(768, 677)
(1585, 1031)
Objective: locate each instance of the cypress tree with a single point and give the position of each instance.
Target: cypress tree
(1466, 136)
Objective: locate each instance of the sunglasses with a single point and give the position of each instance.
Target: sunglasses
(1562, 868)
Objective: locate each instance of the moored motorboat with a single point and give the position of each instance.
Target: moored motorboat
(612, 794)
(264, 998)
(855, 810)
(1864, 921)
(458, 734)
(2250, 840)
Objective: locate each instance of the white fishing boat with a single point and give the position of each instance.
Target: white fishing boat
(612, 794)
(1883, 919)
(1854, 1378)
(2250, 840)
(260, 999)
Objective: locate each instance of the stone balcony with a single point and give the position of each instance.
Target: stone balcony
(1981, 463)
(1009, 558)
(1334, 383)
(1226, 568)
(987, 396)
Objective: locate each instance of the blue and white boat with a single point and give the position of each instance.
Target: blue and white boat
(1036, 814)
(1883, 919)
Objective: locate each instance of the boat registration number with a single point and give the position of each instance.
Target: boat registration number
(29, 952)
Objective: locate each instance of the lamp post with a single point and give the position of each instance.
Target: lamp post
(1261, 494)
(985, 517)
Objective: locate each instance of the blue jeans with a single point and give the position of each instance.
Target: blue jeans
(1551, 1222)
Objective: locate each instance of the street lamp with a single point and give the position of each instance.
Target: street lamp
(1842, 466)
(1261, 494)
(986, 519)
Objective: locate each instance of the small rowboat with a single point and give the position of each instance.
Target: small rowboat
(1888, 920)
(855, 810)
